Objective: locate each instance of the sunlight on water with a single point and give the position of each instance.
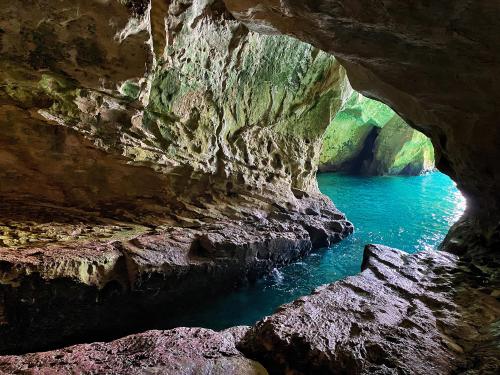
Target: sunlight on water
(409, 213)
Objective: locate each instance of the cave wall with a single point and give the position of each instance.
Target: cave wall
(246, 108)
(401, 150)
(434, 63)
(152, 155)
(97, 104)
(155, 111)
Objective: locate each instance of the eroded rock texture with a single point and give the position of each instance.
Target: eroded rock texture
(431, 312)
(102, 111)
(57, 293)
(404, 314)
(180, 351)
(151, 151)
(435, 63)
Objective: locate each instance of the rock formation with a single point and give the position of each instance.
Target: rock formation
(401, 150)
(367, 137)
(435, 64)
(140, 165)
(181, 351)
(403, 314)
(152, 150)
(169, 129)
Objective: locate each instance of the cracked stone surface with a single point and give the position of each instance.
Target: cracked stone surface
(59, 293)
(403, 314)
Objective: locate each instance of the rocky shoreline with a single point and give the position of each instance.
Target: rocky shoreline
(402, 314)
(62, 293)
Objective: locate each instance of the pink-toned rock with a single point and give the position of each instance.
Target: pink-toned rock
(179, 351)
(70, 291)
(404, 314)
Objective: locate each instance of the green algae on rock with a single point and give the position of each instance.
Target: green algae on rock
(418, 59)
(401, 150)
(368, 137)
(177, 162)
(213, 111)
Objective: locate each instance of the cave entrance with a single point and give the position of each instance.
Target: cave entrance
(367, 137)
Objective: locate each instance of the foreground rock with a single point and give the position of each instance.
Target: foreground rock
(431, 312)
(66, 292)
(179, 351)
(405, 314)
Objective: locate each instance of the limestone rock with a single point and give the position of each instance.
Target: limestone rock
(401, 150)
(179, 351)
(436, 64)
(403, 314)
(367, 137)
(150, 150)
(349, 138)
(59, 293)
(208, 117)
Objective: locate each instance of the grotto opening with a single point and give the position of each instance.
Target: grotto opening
(155, 154)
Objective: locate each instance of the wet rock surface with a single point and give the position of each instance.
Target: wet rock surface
(60, 293)
(429, 312)
(179, 351)
(413, 314)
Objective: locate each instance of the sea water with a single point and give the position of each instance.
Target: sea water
(408, 213)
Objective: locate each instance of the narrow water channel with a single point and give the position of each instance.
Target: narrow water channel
(409, 213)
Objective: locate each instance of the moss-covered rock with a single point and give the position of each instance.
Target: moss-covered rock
(205, 118)
(401, 150)
(247, 107)
(367, 137)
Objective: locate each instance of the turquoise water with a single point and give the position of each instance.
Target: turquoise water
(409, 213)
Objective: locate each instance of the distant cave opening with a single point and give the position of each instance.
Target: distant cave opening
(381, 173)
(360, 162)
(368, 138)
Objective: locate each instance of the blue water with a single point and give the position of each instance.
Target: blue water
(409, 213)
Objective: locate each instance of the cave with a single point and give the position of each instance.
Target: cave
(156, 155)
